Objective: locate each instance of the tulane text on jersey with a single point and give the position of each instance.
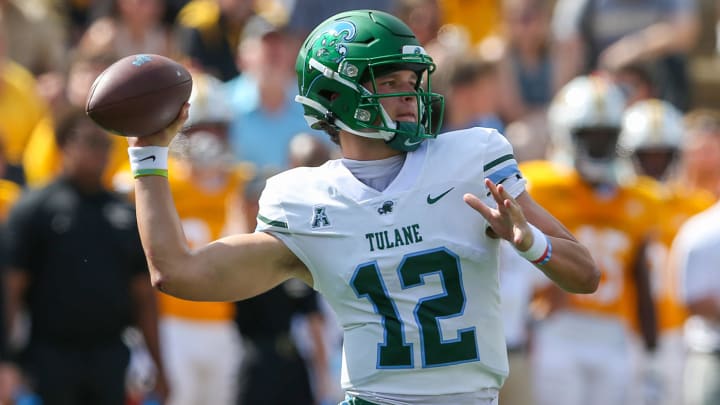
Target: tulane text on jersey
(406, 235)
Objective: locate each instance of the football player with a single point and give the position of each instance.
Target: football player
(586, 349)
(653, 137)
(200, 341)
(401, 235)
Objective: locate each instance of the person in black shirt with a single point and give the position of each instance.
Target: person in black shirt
(272, 358)
(77, 266)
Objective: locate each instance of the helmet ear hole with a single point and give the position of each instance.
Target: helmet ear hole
(328, 95)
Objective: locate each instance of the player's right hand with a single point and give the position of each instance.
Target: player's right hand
(163, 137)
(507, 220)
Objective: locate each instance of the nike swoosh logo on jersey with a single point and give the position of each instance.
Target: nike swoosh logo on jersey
(146, 158)
(409, 143)
(433, 200)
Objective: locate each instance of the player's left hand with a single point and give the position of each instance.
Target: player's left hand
(507, 221)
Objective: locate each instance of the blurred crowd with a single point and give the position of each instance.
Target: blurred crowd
(83, 326)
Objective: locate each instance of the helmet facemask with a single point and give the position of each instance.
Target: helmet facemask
(656, 162)
(595, 153)
(404, 135)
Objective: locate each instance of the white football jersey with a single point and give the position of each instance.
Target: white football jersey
(408, 270)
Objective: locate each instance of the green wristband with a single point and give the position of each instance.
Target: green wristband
(149, 172)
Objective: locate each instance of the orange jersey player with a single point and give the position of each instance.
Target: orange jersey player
(203, 212)
(614, 223)
(653, 138)
(200, 339)
(586, 349)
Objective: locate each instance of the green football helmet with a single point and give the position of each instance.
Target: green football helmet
(356, 47)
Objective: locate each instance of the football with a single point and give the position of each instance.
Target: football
(139, 95)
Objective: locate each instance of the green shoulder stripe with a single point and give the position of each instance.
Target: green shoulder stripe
(498, 161)
(270, 222)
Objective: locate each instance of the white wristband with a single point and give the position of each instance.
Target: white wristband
(148, 160)
(541, 249)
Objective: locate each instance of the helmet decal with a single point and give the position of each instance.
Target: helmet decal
(414, 50)
(329, 46)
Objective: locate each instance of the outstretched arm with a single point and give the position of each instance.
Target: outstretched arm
(230, 269)
(677, 34)
(570, 265)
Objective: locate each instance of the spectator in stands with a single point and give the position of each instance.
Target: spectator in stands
(265, 115)
(471, 91)
(699, 158)
(42, 157)
(526, 77)
(36, 37)
(307, 14)
(135, 26)
(590, 36)
(21, 109)
(423, 17)
(526, 68)
(209, 31)
(479, 18)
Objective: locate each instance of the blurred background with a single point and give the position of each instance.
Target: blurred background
(500, 64)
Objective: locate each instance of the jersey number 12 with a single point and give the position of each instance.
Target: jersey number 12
(394, 352)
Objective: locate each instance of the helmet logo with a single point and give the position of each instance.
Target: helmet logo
(362, 115)
(329, 46)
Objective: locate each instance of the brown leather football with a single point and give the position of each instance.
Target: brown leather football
(139, 95)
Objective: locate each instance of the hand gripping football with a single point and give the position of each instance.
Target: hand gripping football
(139, 95)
